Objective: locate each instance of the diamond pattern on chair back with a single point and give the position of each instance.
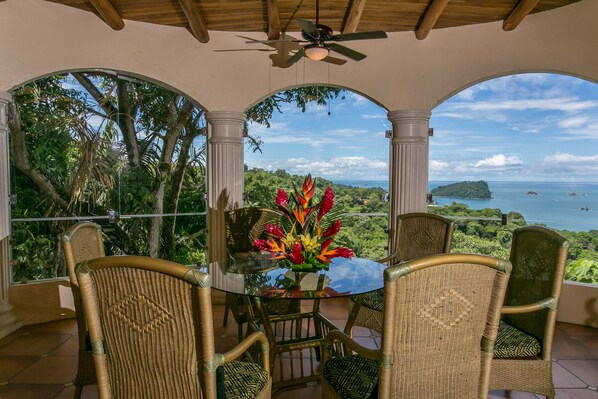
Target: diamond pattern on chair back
(535, 254)
(149, 335)
(422, 234)
(440, 318)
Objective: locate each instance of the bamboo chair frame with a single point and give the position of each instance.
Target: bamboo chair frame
(534, 315)
(416, 346)
(135, 359)
(80, 242)
(417, 234)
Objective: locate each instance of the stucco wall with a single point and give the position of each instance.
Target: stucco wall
(38, 38)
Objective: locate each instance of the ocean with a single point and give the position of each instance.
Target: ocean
(560, 205)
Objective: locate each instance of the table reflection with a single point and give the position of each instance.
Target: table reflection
(257, 274)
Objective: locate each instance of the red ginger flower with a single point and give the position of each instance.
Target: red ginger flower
(275, 230)
(326, 204)
(260, 244)
(344, 252)
(282, 201)
(296, 256)
(333, 229)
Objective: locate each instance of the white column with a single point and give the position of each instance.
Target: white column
(8, 322)
(225, 176)
(408, 164)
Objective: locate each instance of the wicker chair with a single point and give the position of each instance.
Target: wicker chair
(441, 318)
(81, 242)
(417, 234)
(152, 333)
(243, 226)
(523, 351)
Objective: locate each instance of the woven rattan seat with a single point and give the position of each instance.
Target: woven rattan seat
(441, 317)
(151, 330)
(81, 242)
(539, 258)
(417, 234)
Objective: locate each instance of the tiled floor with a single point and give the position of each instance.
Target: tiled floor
(39, 361)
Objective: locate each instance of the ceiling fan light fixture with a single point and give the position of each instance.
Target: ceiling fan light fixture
(316, 52)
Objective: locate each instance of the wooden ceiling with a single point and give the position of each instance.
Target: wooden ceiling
(276, 16)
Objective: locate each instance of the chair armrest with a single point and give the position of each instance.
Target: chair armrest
(348, 342)
(550, 303)
(388, 258)
(244, 345)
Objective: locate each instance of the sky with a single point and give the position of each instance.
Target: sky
(527, 127)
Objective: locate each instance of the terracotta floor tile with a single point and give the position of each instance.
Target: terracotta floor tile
(563, 378)
(586, 370)
(38, 391)
(576, 394)
(13, 365)
(576, 330)
(34, 344)
(569, 348)
(48, 370)
(70, 347)
(66, 326)
(89, 392)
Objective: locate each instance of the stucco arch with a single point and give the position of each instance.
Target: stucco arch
(400, 72)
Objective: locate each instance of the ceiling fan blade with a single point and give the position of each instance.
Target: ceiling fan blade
(375, 34)
(334, 60)
(276, 41)
(297, 56)
(245, 49)
(308, 27)
(346, 51)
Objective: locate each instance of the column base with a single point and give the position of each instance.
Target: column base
(8, 322)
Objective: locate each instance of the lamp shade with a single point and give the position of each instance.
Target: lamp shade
(316, 52)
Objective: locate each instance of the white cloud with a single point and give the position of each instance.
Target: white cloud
(499, 161)
(565, 104)
(566, 164)
(346, 168)
(573, 122)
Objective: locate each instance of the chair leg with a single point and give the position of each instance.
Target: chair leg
(225, 320)
(78, 391)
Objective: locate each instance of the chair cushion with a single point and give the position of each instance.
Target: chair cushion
(353, 376)
(512, 342)
(244, 380)
(374, 300)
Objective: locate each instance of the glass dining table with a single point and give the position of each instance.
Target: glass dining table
(295, 337)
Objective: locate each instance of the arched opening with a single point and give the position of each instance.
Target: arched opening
(339, 138)
(121, 151)
(533, 138)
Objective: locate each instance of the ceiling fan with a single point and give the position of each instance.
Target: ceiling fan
(318, 38)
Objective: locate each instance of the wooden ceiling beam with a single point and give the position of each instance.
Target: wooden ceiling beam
(196, 24)
(519, 12)
(273, 19)
(108, 14)
(433, 12)
(354, 16)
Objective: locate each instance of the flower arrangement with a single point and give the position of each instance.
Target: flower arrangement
(306, 245)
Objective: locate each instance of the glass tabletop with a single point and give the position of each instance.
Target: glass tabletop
(256, 275)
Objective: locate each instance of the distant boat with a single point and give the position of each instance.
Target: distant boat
(572, 194)
(532, 193)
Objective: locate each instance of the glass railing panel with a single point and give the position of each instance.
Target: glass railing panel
(37, 251)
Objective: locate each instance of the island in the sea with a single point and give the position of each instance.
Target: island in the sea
(464, 189)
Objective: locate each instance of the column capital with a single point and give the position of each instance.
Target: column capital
(409, 126)
(225, 117)
(5, 97)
